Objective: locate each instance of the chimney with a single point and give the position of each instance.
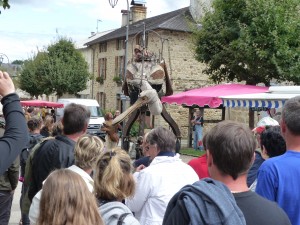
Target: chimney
(138, 12)
(125, 14)
(199, 7)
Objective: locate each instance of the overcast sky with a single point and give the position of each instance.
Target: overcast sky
(33, 24)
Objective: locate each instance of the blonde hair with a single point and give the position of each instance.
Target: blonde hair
(48, 122)
(57, 128)
(113, 179)
(87, 151)
(66, 200)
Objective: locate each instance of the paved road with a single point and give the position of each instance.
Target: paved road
(15, 210)
(16, 213)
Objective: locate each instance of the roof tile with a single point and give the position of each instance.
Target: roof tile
(176, 20)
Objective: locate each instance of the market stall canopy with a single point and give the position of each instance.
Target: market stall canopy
(41, 103)
(274, 98)
(209, 96)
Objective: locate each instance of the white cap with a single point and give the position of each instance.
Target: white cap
(267, 121)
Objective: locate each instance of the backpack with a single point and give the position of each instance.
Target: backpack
(25, 204)
(121, 217)
(33, 140)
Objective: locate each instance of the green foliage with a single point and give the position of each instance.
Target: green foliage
(4, 4)
(191, 152)
(134, 130)
(60, 69)
(117, 79)
(18, 62)
(100, 79)
(67, 69)
(251, 40)
(31, 78)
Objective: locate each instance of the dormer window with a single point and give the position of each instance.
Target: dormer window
(103, 47)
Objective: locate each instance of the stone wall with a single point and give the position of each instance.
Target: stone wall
(109, 87)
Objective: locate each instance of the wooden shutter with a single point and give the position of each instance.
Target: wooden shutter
(99, 67)
(105, 66)
(116, 65)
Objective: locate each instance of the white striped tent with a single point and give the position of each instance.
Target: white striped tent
(274, 98)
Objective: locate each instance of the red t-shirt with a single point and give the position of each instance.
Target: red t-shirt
(200, 166)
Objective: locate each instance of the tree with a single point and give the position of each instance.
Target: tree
(30, 79)
(251, 40)
(59, 69)
(18, 62)
(4, 4)
(66, 71)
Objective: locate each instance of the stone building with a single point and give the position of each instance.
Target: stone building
(167, 35)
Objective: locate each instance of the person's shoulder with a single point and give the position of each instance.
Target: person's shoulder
(196, 161)
(264, 203)
(270, 208)
(114, 208)
(259, 200)
(46, 147)
(271, 162)
(62, 141)
(259, 210)
(285, 158)
(142, 161)
(112, 211)
(193, 161)
(35, 137)
(44, 153)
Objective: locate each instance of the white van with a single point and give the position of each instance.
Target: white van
(96, 119)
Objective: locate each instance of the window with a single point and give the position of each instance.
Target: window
(102, 67)
(120, 44)
(101, 98)
(119, 65)
(139, 40)
(103, 47)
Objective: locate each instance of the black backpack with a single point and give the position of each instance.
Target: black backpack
(33, 140)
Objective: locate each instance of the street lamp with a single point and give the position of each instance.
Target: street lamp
(113, 3)
(1, 58)
(97, 23)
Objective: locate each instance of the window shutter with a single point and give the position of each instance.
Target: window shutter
(99, 67)
(104, 100)
(105, 64)
(116, 65)
(123, 66)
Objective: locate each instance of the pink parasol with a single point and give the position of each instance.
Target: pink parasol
(41, 103)
(210, 96)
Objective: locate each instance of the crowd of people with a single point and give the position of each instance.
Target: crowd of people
(71, 177)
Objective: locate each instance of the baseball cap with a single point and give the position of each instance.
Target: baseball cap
(262, 123)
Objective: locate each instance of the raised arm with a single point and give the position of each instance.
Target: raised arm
(16, 135)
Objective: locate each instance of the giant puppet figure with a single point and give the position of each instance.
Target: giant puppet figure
(145, 77)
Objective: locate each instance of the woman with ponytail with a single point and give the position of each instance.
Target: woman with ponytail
(113, 182)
